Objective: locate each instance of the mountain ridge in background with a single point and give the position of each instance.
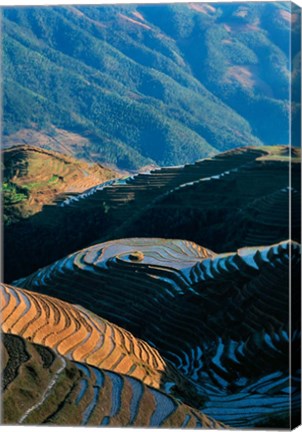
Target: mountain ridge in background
(150, 161)
(148, 84)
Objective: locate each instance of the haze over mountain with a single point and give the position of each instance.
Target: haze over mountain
(139, 84)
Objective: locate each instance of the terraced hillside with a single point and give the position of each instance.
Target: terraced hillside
(156, 281)
(241, 206)
(197, 202)
(206, 325)
(33, 177)
(222, 320)
(41, 387)
(76, 334)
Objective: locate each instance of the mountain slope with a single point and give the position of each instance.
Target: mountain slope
(42, 387)
(197, 202)
(221, 319)
(243, 205)
(148, 83)
(33, 177)
(76, 334)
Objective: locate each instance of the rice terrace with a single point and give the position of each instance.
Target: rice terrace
(151, 189)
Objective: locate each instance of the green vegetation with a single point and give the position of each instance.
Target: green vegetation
(159, 89)
(38, 185)
(34, 177)
(13, 194)
(13, 198)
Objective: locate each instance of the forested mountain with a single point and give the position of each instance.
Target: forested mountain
(164, 84)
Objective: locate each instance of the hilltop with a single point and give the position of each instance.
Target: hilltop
(159, 299)
(222, 320)
(77, 334)
(33, 177)
(245, 204)
(135, 85)
(224, 203)
(152, 215)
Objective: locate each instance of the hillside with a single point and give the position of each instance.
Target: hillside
(222, 320)
(246, 205)
(232, 200)
(81, 336)
(151, 191)
(135, 85)
(33, 177)
(42, 387)
(186, 323)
